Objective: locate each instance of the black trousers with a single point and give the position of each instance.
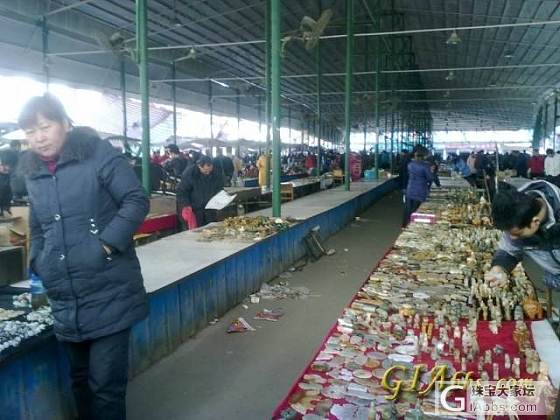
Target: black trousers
(99, 373)
(471, 179)
(410, 206)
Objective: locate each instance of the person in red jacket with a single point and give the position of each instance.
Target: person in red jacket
(536, 165)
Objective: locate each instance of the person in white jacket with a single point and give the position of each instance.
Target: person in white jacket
(551, 163)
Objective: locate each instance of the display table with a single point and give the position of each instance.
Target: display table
(426, 302)
(254, 182)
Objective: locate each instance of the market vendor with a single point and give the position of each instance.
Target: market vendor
(262, 166)
(85, 205)
(199, 183)
(529, 218)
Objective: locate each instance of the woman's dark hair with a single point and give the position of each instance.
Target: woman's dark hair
(513, 209)
(204, 160)
(46, 105)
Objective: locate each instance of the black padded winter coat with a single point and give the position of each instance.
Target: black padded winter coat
(93, 198)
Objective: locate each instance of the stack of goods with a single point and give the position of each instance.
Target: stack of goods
(425, 313)
(245, 228)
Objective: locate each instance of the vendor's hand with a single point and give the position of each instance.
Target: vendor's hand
(496, 277)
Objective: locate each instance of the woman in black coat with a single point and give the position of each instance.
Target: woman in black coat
(86, 203)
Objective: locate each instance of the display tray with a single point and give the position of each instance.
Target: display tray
(6, 302)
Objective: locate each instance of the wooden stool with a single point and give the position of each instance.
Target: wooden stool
(287, 192)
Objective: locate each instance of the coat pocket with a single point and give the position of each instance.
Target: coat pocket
(87, 257)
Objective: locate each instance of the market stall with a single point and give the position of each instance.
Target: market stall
(426, 314)
(190, 281)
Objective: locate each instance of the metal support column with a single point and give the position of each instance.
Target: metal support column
(275, 104)
(289, 130)
(259, 114)
(290, 123)
(123, 99)
(348, 89)
(238, 112)
(366, 88)
(377, 76)
(555, 121)
(302, 131)
(268, 84)
(174, 99)
(319, 116)
(365, 135)
(45, 39)
(142, 54)
(211, 109)
(544, 123)
(392, 142)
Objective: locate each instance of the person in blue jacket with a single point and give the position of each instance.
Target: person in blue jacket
(85, 205)
(460, 166)
(420, 175)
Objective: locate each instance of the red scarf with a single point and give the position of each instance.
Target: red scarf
(51, 164)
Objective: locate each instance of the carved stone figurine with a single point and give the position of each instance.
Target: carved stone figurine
(532, 307)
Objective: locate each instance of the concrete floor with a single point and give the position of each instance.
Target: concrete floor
(244, 376)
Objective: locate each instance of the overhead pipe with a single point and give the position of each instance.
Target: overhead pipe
(324, 37)
(467, 89)
(363, 73)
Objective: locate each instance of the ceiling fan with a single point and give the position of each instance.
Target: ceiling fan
(309, 31)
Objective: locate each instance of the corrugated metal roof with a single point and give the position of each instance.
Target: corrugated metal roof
(501, 73)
